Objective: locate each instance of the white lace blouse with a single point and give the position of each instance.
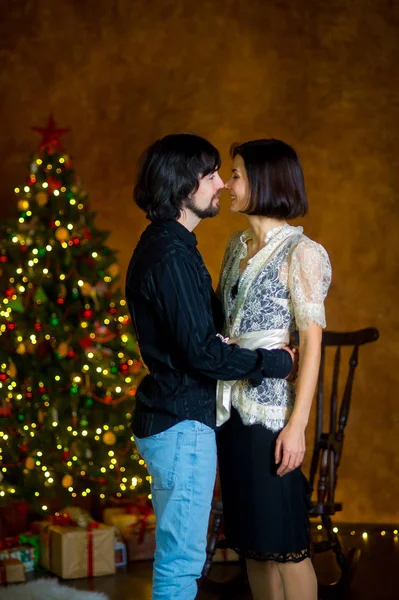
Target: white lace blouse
(283, 287)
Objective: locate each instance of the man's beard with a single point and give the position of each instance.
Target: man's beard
(204, 213)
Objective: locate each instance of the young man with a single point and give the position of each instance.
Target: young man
(176, 316)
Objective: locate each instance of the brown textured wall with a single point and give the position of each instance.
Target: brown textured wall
(321, 75)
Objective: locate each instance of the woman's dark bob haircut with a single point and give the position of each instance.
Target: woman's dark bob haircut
(170, 171)
(276, 184)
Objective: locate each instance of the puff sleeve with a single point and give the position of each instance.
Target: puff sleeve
(309, 280)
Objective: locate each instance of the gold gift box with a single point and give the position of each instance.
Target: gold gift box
(11, 571)
(119, 518)
(69, 553)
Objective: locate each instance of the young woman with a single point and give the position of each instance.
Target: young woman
(274, 281)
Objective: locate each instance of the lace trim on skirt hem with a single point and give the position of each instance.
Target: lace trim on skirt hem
(281, 557)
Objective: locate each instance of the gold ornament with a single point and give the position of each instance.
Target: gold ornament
(23, 205)
(75, 448)
(30, 348)
(30, 463)
(13, 370)
(62, 234)
(86, 289)
(42, 198)
(67, 481)
(21, 349)
(63, 349)
(114, 270)
(109, 438)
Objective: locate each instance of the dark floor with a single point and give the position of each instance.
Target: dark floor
(376, 577)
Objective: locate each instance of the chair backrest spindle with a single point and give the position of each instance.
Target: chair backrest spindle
(327, 450)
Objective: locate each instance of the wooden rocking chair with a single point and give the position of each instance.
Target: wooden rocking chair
(326, 458)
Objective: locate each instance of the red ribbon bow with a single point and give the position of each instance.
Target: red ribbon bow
(63, 520)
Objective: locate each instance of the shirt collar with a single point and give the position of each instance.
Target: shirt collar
(188, 237)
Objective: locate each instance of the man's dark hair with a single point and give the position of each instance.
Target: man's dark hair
(275, 177)
(170, 171)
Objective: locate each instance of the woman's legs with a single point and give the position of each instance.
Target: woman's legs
(265, 580)
(299, 580)
(282, 581)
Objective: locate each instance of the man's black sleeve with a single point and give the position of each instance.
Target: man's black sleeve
(184, 310)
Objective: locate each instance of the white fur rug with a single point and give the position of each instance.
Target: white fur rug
(46, 589)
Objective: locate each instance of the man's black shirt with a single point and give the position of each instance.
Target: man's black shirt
(176, 315)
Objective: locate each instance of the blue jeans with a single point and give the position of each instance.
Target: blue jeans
(182, 465)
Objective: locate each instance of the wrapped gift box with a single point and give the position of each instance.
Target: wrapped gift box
(23, 553)
(73, 552)
(141, 546)
(136, 524)
(121, 519)
(13, 519)
(30, 539)
(11, 571)
(120, 554)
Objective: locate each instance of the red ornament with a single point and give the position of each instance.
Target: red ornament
(9, 292)
(3, 258)
(51, 224)
(76, 241)
(11, 326)
(23, 247)
(29, 395)
(87, 233)
(51, 136)
(86, 342)
(112, 311)
(42, 389)
(66, 455)
(124, 367)
(38, 326)
(71, 354)
(87, 313)
(5, 412)
(60, 301)
(108, 399)
(3, 376)
(136, 367)
(53, 184)
(24, 448)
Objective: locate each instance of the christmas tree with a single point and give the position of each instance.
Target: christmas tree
(69, 364)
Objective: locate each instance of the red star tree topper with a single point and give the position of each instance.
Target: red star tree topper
(51, 135)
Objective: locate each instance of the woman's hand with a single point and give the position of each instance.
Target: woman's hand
(290, 448)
